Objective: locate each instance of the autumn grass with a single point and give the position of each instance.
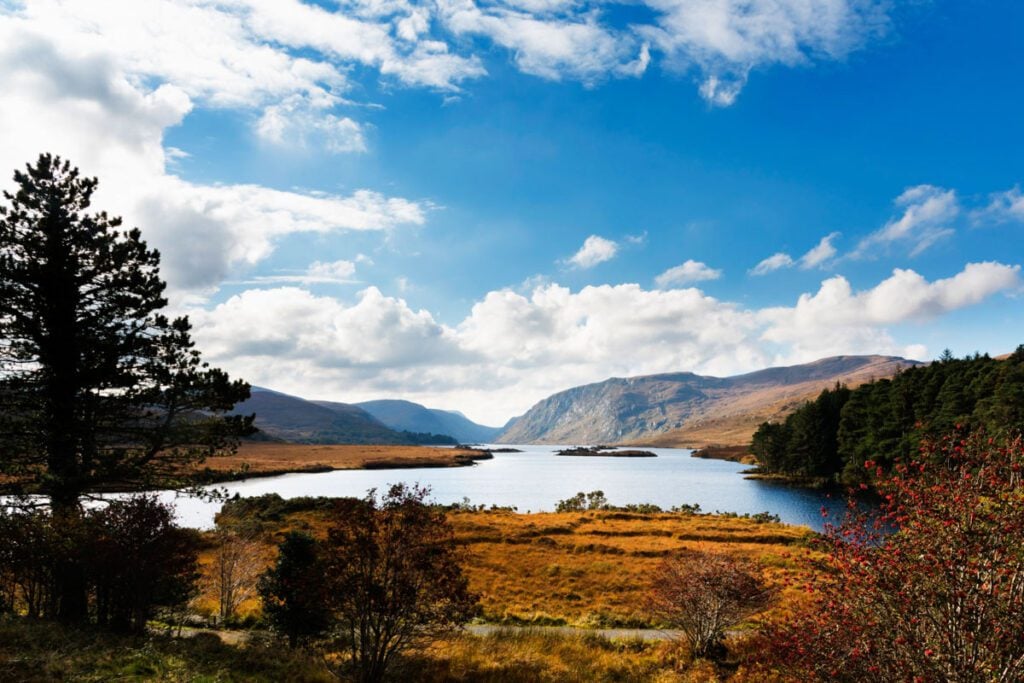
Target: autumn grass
(584, 569)
(589, 569)
(271, 459)
(535, 656)
(592, 569)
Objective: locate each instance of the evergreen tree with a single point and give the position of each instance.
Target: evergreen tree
(96, 386)
(887, 421)
(293, 591)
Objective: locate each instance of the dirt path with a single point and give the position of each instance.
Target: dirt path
(647, 634)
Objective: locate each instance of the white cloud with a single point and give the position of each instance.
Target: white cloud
(292, 124)
(774, 262)
(820, 254)
(927, 214)
(75, 99)
(690, 271)
(318, 273)
(726, 39)
(595, 250)
(513, 348)
(579, 47)
(1003, 207)
(836, 316)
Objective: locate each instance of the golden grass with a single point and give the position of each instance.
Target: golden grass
(276, 458)
(592, 569)
(535, 656)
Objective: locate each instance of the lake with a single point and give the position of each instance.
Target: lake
(536, 479)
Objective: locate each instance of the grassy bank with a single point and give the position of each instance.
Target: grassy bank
(259, 459)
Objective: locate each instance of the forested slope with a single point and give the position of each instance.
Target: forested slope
(885, 421)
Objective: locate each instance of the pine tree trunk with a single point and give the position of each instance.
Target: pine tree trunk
(69, 571)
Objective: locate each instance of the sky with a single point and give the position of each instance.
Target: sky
(473, 205)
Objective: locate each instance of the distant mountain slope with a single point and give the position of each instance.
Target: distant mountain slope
(688, 409)
(290, 418)
(413, 417)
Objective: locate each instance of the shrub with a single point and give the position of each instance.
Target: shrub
(595, 500)
(395, 577)
(933, 590)
(703, 595)
(139, 561)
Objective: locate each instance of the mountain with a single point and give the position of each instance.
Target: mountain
(412, 417)
(684, 409)
(290, 418)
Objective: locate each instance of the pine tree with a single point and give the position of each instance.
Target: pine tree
(97, 387)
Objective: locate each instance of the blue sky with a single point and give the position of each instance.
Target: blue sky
(384, 199)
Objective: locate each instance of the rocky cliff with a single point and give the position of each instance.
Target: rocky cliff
(684, 409)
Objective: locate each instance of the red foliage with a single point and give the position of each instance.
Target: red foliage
(939, 599)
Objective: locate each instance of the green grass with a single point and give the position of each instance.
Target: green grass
(40, 651)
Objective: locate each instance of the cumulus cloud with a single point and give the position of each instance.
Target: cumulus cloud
(79, 100)
(927, 214)
(514, 348)
(687, 272)
(836, 315)
(595, 250)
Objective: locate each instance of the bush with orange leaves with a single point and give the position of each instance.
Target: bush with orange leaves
(930, 590)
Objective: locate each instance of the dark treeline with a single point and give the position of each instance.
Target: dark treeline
(885, 421)
(135, 562)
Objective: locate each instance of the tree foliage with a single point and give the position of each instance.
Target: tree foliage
(134, 560)
(703, 594)
(294, 591)
(595, 500)
(941, 598)
(395, 576)
(97, 387)
(887, 421)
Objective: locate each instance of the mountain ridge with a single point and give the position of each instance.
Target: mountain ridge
(686, 409)
(283, 417)
(409, 416)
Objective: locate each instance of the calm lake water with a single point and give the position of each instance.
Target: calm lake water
(536, 479)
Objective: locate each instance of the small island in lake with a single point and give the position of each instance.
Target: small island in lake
(605, 452)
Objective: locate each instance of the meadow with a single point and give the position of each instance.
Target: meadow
(580, 571)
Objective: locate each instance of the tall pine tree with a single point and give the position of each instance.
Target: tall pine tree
(97, 387)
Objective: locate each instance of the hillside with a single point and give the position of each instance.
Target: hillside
(889, 422)
(685, 409)
(290, 418)
(413, 417)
